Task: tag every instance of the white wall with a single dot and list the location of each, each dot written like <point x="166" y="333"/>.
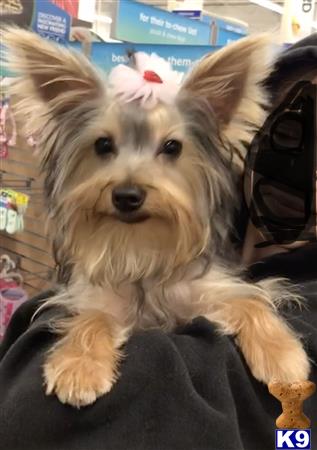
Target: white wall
<point x="258" y="18"/>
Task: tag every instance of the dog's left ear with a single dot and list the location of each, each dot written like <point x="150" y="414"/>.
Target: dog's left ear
<point x="51" y="77"/>
<point x="230" y="80"/>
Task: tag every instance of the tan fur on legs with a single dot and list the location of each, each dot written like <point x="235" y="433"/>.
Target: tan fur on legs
<point x="270" y="347"/>
<point x="83" y="365"/>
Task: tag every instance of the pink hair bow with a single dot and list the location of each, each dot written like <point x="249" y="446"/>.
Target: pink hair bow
<point x="152" y="80"/>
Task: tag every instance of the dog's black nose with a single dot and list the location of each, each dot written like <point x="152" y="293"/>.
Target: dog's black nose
<point x="128" y="198"/>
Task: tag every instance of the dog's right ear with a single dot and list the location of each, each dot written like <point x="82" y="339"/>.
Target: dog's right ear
<point x="50" y="75"/>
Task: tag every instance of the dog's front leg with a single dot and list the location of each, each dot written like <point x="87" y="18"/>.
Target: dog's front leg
<point x="83" y="364"/>
<point x="270" y="347"/>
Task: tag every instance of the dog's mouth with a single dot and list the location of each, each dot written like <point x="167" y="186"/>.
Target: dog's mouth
<point x="132" y="217"/>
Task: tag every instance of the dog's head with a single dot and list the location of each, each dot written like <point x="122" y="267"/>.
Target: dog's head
<point x="132" y="191"/>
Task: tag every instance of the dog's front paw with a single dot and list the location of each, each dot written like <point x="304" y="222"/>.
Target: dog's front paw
<point x="295" y="365"/>
<point x="77" y="379"/>
<point x="286" y="363"/>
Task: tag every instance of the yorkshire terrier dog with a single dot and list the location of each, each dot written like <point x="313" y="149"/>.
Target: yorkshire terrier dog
<point x="140" y="177"/>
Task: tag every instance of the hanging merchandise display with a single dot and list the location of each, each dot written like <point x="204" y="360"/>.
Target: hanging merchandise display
<point x="12" y="294"/>
<point x="8" y="131"/>
<point x="13" y="205"/>
<point x="22" y="214"/>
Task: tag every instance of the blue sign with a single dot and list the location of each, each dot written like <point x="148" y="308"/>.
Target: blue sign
<point x="140" y="23"/>
<point x="223" y="31"/>
<point x="294" y="439"/>
<point x="51" y="22"/>
<point x="228" y="32"/>
<point x="193" y="15"/>
<point x="108" y="55"/>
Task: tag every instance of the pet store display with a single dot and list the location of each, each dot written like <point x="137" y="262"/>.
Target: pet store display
<point x="12" y="294"/>
<point x="8" y="126"/>
<point x="22" y="215"/>
<point x="8" y="131"/>
<point x="13" y="206"/>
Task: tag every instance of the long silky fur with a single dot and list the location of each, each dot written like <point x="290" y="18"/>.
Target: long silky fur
<point x="64" y="122"/>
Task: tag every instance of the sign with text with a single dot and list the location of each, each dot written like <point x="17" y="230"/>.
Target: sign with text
<point x="224" y="31"/>
<point x="108" y="55"/>
<point x="292" y="439"/>
<point x="50" y="21"/>
<point x="140" y="23"/>
<point x="189" y="14"/>
<point x="228" y="32"/>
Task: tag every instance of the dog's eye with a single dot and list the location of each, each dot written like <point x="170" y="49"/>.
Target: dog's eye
<point x="171" y="148"/>
<point x="104" y="146"/>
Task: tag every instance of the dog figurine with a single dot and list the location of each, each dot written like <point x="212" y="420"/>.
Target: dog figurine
<point x="141" y="174"/>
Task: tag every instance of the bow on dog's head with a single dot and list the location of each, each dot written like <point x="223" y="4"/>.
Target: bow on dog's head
<point x="149" y="80"/>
